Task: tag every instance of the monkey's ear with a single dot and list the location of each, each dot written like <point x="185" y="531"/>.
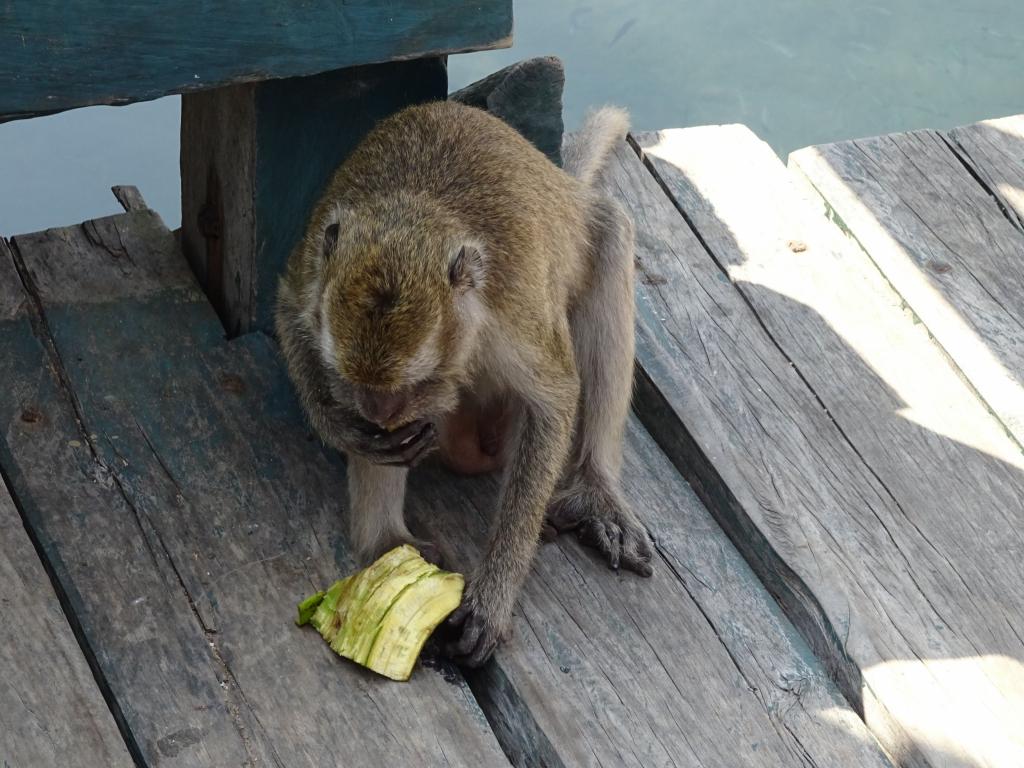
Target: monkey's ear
<point x="330" y="240"/>
<point x="335" y="219"/>
<point x="466" y="269"/>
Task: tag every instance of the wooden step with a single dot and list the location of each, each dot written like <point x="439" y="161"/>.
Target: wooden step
<point x="994" y="153"/>
<point x="947" y="246"/>
<point x="610" y="669"/>
<point x="186" y="510"/>
<point x="51" y="710"/>
<point x="869" y="487"/>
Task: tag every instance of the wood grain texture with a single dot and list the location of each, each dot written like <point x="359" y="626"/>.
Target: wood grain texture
<point x="695" y="666"/>
<point x="930" y="575"/>
<point x="218" y="216"/>
<point x="121" y="590"/>
<point x="944" y="244"/>
<point x="994" y="151"/>
<point x="129" y="197"/>
<point x="59" y="56"/>
<point x="254" y="160"/>
<point x="51" y="711"/>
<point x="204" y="513"/>
<point x="12" y="297"/>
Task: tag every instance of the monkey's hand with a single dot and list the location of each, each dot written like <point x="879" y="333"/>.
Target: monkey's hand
<point x="404" y="447"/>
<point x="477" y="626"/>
<point x="602" y="520"/>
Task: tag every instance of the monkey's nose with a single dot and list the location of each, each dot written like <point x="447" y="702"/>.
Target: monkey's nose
<point x="383" y="407"/>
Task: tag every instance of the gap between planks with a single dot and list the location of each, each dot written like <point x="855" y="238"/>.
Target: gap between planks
<point x="56" y="708"/>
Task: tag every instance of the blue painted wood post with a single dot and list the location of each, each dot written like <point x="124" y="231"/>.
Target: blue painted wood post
<point x="255" y="158"/>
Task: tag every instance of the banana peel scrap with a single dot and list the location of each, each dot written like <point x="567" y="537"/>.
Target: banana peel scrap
<point x="380" y="617"/>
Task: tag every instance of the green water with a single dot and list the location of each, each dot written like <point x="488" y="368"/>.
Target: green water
<point x="798" y="72"/>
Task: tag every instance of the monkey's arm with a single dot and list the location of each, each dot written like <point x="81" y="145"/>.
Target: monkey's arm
<point x="542" y="446"/>
<point x="329" y="404"/>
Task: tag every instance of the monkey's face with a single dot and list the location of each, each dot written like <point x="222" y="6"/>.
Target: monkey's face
<point x="398" y="319"/>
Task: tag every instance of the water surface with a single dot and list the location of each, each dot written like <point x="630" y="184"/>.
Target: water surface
<point x="798" y="72"/>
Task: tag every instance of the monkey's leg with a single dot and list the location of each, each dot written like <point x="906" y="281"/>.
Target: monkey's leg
<point x="590" y="499"/>
<point x="541" y="449"/>
<point x="377" y="517"/>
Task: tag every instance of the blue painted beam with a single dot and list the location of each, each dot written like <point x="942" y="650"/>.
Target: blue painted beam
<point x="59" y="55"/>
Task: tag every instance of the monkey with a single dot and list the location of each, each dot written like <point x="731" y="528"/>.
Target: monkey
<point x="452" y="279"/>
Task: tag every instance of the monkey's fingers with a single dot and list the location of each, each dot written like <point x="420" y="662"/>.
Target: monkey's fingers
<point x="604" y="537"/>
<point x="403" y="447"/>
<point x="548" y="532"/>
<point x="476" y="643"/>
<point x="473" y="639"/>
<point x="458" y="616"/>
<point x="637" y="552"/>
<point x="566" y="512"/>
<point x="424" y="448"/>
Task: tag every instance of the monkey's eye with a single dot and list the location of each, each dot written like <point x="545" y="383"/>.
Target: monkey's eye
<point x="464" y="269"/>
<point x="330" y="240"/>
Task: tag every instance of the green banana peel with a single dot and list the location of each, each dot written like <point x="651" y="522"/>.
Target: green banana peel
<point x="380" y="617"/>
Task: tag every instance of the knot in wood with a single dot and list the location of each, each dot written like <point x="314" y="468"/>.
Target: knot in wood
<point x="209" y="222"/>
<point x="31" y="415"/>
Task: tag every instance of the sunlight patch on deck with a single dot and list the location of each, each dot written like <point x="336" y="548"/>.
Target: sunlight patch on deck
<point x="954" y="703"/>
<point x="817" y="270"/>
<point x="974" y="359"/>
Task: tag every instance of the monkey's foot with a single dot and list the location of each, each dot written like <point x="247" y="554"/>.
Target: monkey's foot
<point x="474" y="632"/>
<point x="602" y="521"/>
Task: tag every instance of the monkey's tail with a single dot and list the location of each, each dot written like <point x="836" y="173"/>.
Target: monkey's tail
<point x="585" y="154"/>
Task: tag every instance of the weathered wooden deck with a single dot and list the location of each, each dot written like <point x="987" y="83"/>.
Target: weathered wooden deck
<point x="830" y="412"/>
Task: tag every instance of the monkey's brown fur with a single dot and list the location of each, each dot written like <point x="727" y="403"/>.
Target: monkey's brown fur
<point x="466" y="263"/>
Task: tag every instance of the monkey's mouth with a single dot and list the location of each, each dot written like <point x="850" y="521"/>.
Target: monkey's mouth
<point x="429" y="402"/>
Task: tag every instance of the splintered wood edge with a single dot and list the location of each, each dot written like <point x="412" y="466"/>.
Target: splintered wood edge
<point x="129" y="197"/>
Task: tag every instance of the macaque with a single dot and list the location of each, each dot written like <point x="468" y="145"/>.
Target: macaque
<point x="454" y="286"/>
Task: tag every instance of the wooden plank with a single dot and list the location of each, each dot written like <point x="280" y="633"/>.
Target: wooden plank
<point x="215" y="515"/>
<point x="120" y="590"/>
<point x="51" y="711"/>
<point x="604" y="669"/>
<point x="254" y="160"/>
<point x="696" y="666"/>
<point x="58" y="57"/>
<point x="12" y="297"/>
<point x="129" y="197"/>
<point x="994" y="150"/>
<point x="943" y="654"/>
<point x="943" y="243"/>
